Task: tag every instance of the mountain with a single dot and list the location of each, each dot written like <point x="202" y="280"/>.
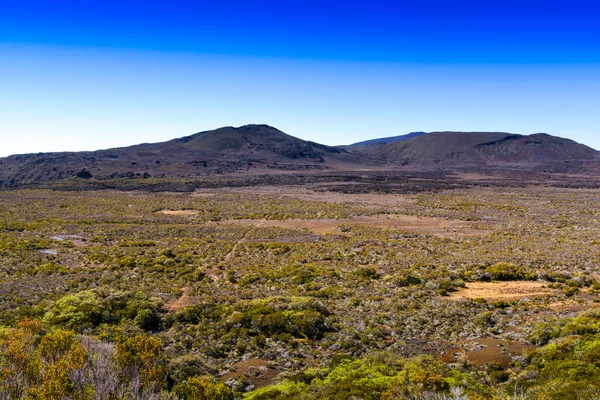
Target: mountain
<point x="266" y="150"/>
<point x="387" y="140"/>
<point x="218" y="151"/>
<point x="484" y="148"/>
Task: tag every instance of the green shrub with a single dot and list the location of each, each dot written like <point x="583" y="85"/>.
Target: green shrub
<point x="202" y="388"/>
<point x="298" y="316"/>
<point x="509" y="272"/>
<point x="367" y="273"/>
<point x="87" y="309"/>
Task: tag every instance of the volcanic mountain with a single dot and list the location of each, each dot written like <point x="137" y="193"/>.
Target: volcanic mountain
<point x="483" y="148"/>
<point x="264" y="149"/>
<point x="218" y="151"/>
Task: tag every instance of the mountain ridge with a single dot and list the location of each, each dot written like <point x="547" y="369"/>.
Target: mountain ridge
<point x="485" y="148"/>
<point x="260" y="147"/>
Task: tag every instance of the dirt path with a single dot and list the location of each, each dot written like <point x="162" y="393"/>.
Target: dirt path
<point x="214" y="271"/>
<point x="237" y="244"/>
<point x="182" y="302"/>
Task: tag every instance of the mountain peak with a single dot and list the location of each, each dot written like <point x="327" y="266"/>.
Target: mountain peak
<point x="223" y="150"/>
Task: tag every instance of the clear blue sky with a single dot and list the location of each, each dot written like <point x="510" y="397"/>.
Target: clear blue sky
<point x="100" y="74"/>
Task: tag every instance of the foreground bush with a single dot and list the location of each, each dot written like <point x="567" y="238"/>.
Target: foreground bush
<point x="378" y="377"/>
<point x="60" y="364"/>
<point x="202" y="388"/>
<point x="38" y="365"/>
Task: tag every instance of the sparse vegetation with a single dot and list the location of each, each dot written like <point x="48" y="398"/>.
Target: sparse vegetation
<point x="169" y="304"/>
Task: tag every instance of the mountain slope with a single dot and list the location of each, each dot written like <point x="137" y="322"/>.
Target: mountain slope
<point x="386" y="140"/>
<point x="219" y="151"/>
<point x="485" y="148"/>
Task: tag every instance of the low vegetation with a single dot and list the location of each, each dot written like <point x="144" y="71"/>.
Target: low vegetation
<point x="105" y="297"/>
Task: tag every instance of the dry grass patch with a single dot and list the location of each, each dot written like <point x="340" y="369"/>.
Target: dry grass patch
<point x="179" y="212"/>
<point x="513" y="290"/>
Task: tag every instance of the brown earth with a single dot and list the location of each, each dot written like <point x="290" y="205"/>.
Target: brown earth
<point x="182" y="302"/>
<point x="485" y="350"/>
<point x="256" y="370"/>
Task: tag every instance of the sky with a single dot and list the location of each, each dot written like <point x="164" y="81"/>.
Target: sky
<point x="85" y="75"/>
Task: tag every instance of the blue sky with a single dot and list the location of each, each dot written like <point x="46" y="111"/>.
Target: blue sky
<point x="102" y="74"/>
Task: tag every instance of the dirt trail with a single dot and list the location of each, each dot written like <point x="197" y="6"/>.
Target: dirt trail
<point x="214" y="271"/>
<point x="182" y="302"/>
<point x="229" y="255"/>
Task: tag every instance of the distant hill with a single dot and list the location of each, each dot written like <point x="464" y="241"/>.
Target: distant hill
<point x="484" y="148"/>
<point x="218" y="151"/>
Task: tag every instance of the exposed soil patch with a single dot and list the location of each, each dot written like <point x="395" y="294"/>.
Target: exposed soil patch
<point x="256" y="370"/>
<point x="482" y="351"/>
<point x="182" y="302"/>
<point x="513" y="290"/>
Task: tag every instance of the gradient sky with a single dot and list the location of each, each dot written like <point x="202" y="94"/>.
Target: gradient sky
<point x="83" y="75"/>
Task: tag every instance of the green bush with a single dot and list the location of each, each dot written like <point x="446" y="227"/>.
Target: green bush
<point x="86" y="310"/>
<point x="298" y="316"/>
<point x="367" y="273"/>
<point x="202" y="388"/>
<point x="375" y="377"/>
<point x="509" y="272"/>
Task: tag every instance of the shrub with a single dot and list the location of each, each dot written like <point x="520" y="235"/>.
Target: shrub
<point x="367" y="273"/>
<point x="298" y="316"/>
<point x="202" y="388"/>
<point x="187" y="366"/>
<point x="86" y="310"/>
<point x="79" y="311"/>
<point x="508" y="272"/>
